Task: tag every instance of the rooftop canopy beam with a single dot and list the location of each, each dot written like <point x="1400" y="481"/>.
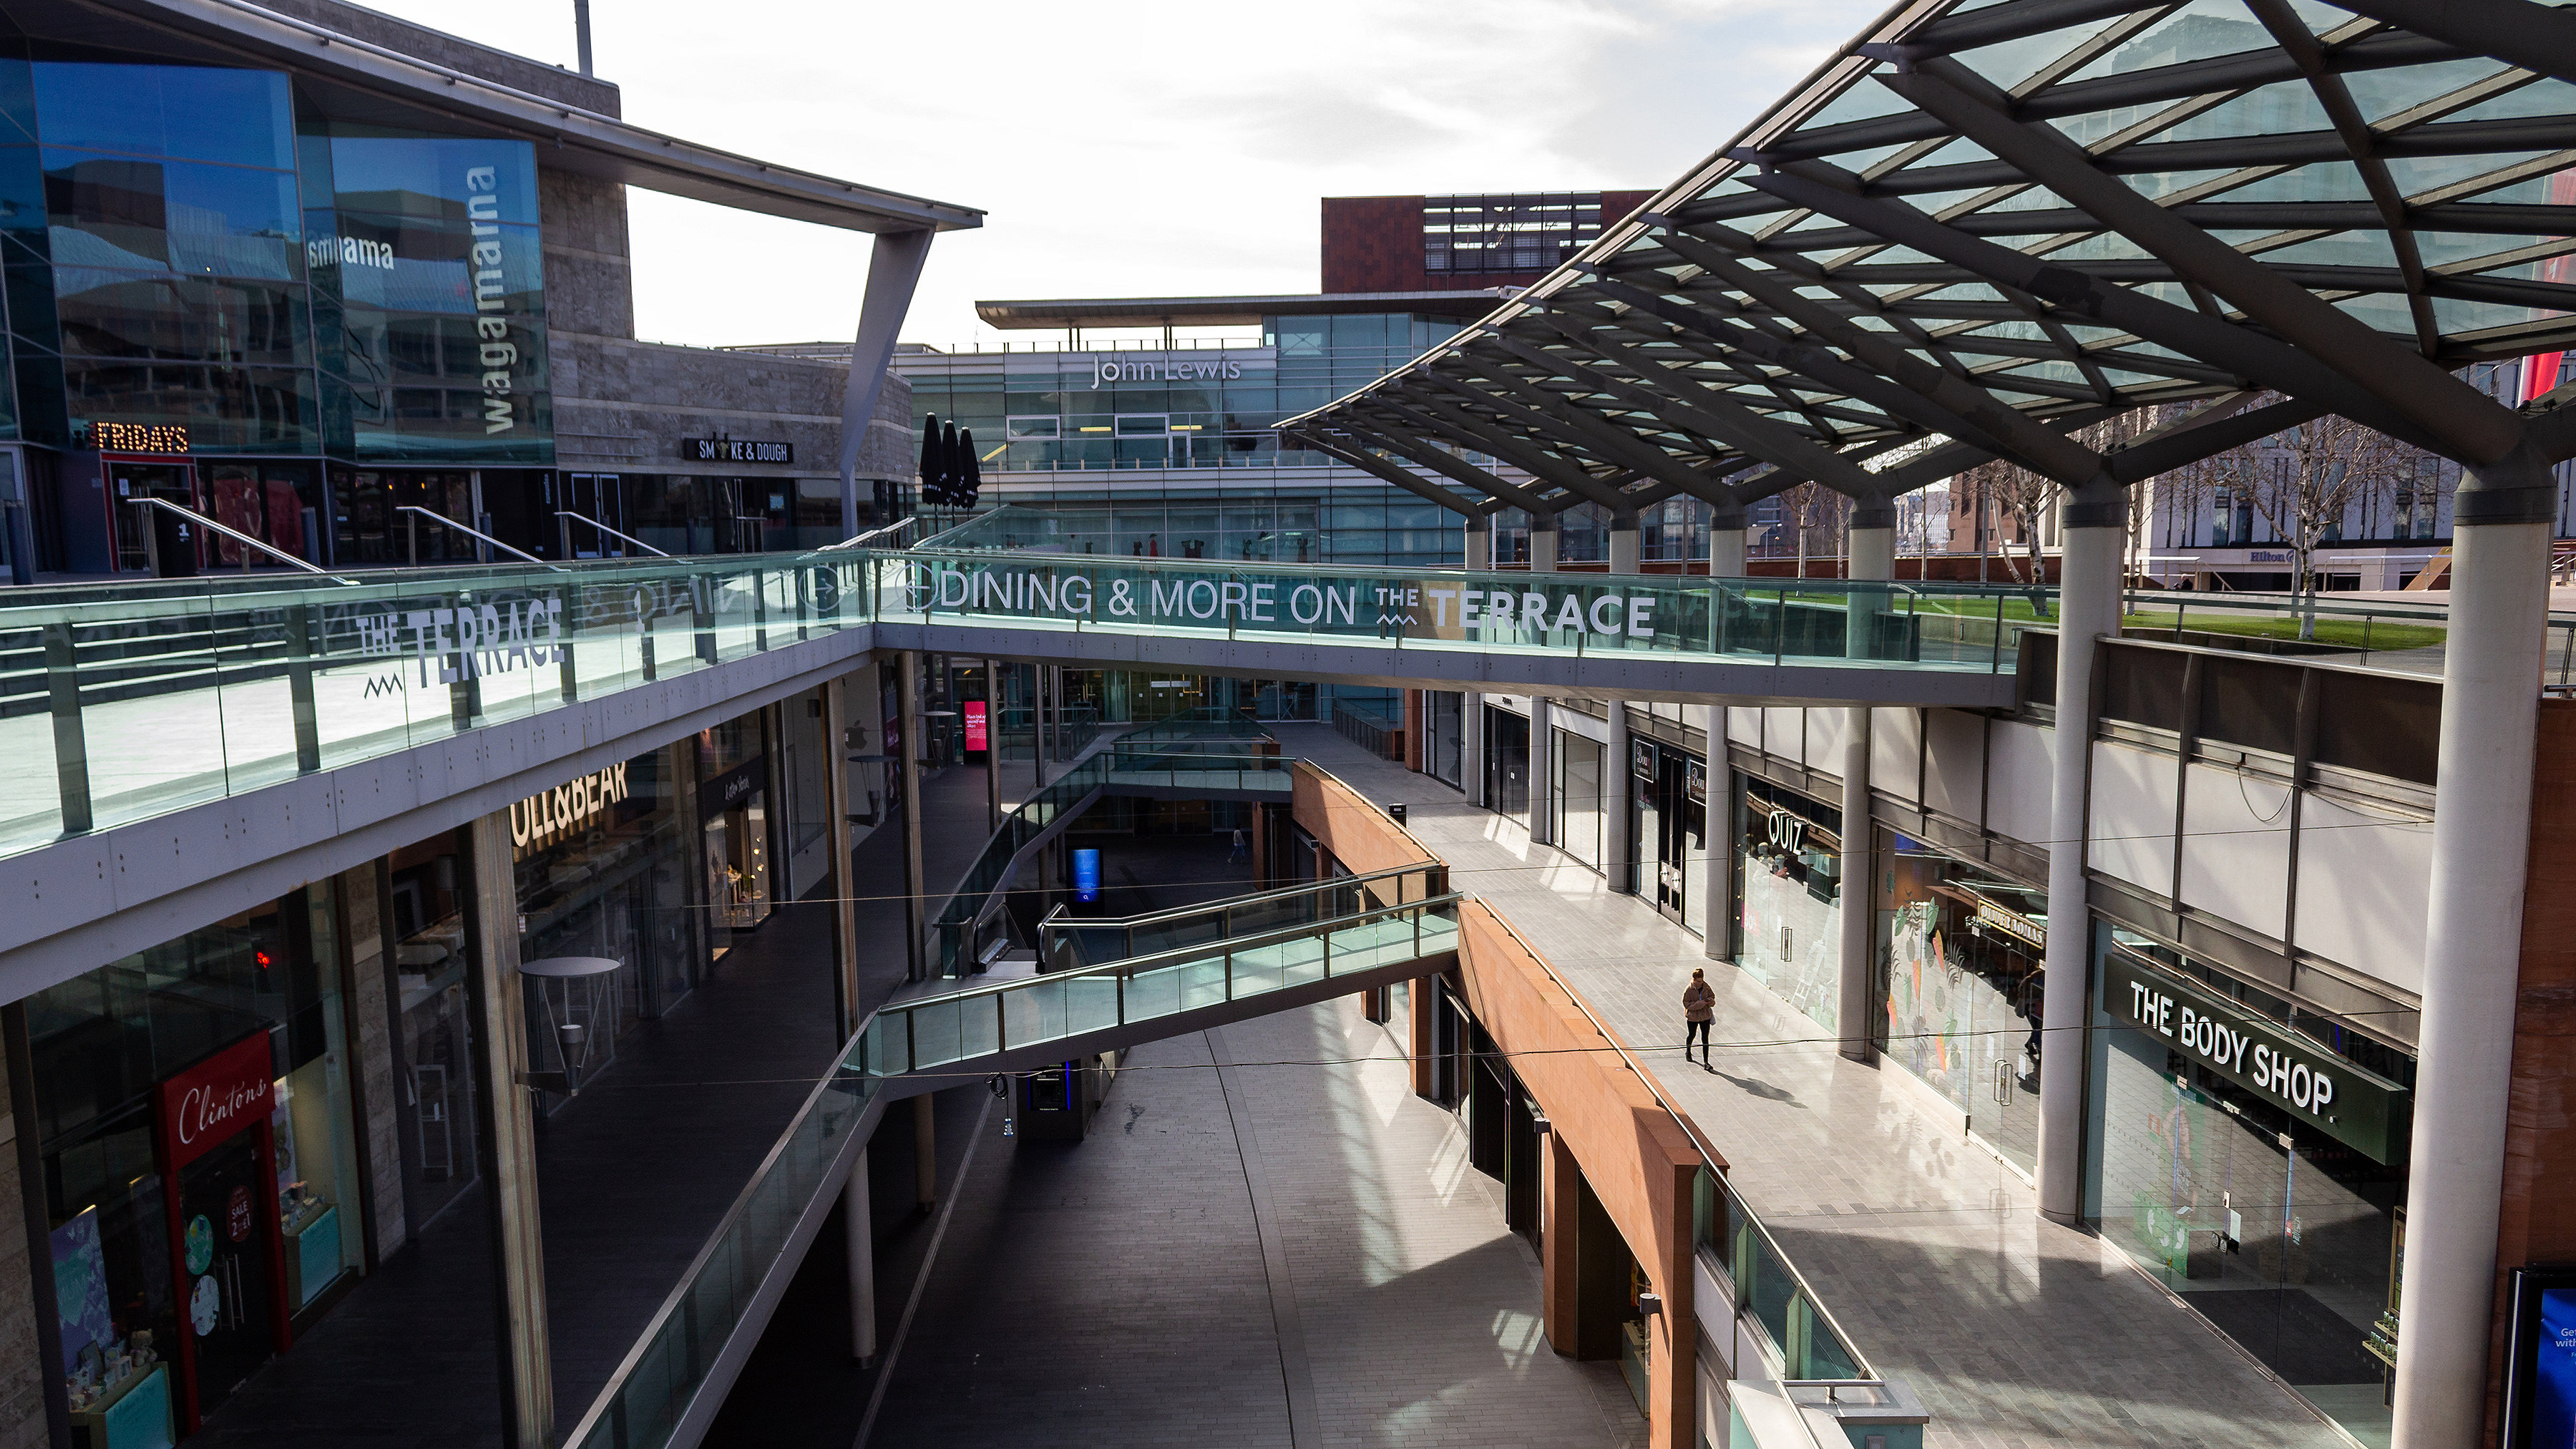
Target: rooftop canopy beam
<point x="2468" y="424"/>
<point x="1361" y="458"/>
<point x="1396" y="440"/>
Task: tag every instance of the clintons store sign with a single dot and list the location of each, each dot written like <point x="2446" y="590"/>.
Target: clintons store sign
<point x="227" y="1093"/>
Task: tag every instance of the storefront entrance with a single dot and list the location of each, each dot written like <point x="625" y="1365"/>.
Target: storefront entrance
<point x="2271" y="1203"/>
<point x="1668" y="830"/>
<point x="129" y="525"/>
<point x="228" y="1297"/>
<point x="1962" y="949"/>
<point x="219" y="1163"/>
<point x="1507" y="763"/>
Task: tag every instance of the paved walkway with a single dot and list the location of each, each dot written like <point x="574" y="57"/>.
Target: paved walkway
<point x="1226" y="1243"/>
<point x="1932" y="1255"/>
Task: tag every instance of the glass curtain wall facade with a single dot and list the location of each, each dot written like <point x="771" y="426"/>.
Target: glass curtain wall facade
<point x="204" y="264"/>
<point x="1199" y="420"/>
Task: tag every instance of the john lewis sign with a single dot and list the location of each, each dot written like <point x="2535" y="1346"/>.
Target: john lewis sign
<point x="2360" y="1108"/>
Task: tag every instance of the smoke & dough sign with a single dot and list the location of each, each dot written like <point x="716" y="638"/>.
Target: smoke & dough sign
<point x="1255" y="599"/>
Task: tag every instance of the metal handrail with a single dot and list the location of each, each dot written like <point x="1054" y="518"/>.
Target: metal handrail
<point x="895" y="527"/>
<point x="470" y="533"/>
<point x="238" y="536"/>
<point x="1060" y="922"/>
<point x="612" y="533"/>
<point x="1229" y="902"/>
<point x="1137" y="964"/>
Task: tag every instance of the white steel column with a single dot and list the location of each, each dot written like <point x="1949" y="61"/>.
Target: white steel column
<point x="894" y="265"/>
<point x="1720" y="832"/>
<point x="1626" y="550"/>
<point x="1471" y="705"/>
<point x="1542" y="772"/>
<point x="2088" y="607"/>
<point x="2472" y="958"/>
<point x="1726" y="546"/>
<point x="1873" y="553"/>
<point x="1618" y="852"/>
<point x="859" y="1248"/>
<point x="1542" y="544"/>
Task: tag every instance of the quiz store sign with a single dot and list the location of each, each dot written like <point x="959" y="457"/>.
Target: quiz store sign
<point x="2315" y="1086"/>
<point x="1320" y="602"/>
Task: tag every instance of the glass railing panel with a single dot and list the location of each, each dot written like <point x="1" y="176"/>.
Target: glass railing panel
<point x="979" y="1027"/>
<point x="1032" y="1013"/>
<point x="1771" y="1290"/>
<point x="1299" y="961"/>
<point x="935" y="1033"/>
<point x="1091" y="1004"/>
<point x="1203" y="983"/>
<point x="1159" y="992"/>
<point x="1824" y="1354"/>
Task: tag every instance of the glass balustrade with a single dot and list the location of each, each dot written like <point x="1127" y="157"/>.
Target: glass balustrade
<point x="1197" y="765"/>
<point x="119" y="702"/>
<point x="1971" y="628"/>
<point x="122" y="701"/>
<point x="961" y="1029"/>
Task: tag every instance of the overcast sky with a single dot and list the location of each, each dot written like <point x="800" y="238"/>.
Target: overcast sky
<point x="1132" y="147"/>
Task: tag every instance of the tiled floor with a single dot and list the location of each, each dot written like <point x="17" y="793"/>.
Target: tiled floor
<point x="1296" y="1228"/>
<point x="1117" y="1291"/>
<point x="2015" y="1331"/>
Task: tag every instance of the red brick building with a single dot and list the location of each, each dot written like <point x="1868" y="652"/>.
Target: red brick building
<point x="1460" y="243"/>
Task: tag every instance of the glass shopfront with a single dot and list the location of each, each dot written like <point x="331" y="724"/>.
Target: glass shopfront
<point x="424" y="919"/>
<point x="1668" y="829"/>
<point x="1788" y="895"/>
<point x="1574" y="796"/>
<point x="602" y="866"/>
<point x="1444" y="738"/>
<point x="1960" y="950"/>
<point x="201" y="1173"/>
<point x="2252" y="1155"/>
<point x="733" y="811"/>
<point x="1507" y="763"/>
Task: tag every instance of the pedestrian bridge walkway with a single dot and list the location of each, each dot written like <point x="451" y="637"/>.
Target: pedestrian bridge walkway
<point x="124" y="702"/>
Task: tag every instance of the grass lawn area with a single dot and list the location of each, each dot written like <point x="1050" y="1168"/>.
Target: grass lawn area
<point x="2349" y="633"/>
<point x="2198" y="616"/>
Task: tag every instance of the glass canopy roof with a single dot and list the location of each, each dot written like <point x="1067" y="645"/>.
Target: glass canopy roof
<point x="1984" y="226"/>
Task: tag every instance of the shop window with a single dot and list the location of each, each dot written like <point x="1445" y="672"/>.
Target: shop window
<point x="172" y="1228"/>
<point x="2277" y="1223"/>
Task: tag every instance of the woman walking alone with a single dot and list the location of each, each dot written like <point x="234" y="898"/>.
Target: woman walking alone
<point x="1699" y="1008"/>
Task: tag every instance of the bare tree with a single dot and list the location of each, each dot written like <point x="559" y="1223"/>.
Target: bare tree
<point x="2303" y="482"/>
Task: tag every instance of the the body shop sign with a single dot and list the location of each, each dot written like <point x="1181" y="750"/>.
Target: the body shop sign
<point x="2360" y="1108"/>
<point x="206" y="1104"/>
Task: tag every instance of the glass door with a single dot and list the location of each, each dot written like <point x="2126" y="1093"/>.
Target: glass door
<point x="227" y="1303"/>
<point x="1507" y="741"/>
<point x="597" y="498"/>
<point x="127" y="479"/>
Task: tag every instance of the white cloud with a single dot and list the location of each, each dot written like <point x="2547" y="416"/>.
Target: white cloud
<point x="1149" y="147"/>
